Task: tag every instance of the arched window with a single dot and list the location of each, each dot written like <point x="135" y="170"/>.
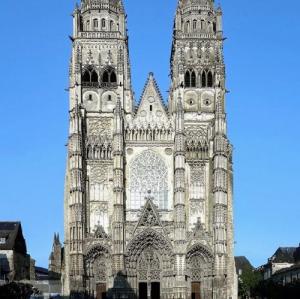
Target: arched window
<point x="94" y="76"/>
<point x="193" y="79"/>
<point x="202" y="24"/>
<point x="215" y="27"/>
<point x="194" y="25"/>
<point x="109" y="77"/>
<point x="81" y="24"/>
<point x="95" y="24"/>
<point x="210" y="80"/>
<point x="203" y="79"/>
<point x="113" y="77"/>
<point x="103" y="23"/>
<point x="187" y="79"/>
<point x="111" y="25"/>
<point x="86" y="78"/>
<point x="87" y="25"/>
<point x="105" y="77"/>
<point x="90" y="77"/>
<point x="187" y="27"/>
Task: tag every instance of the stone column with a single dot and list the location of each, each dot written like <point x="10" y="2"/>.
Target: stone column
<point x="220" y="191"/>
<point x="76" y="201"/>
<point x="180" y="288"/>
<point x="118" y="212"/>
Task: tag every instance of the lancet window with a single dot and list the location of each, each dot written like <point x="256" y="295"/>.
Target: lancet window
<point x="90" y="77"/>
<point x="109" y="78"/>
<point x="190" y="78"/>
<point x="207" y="79"/>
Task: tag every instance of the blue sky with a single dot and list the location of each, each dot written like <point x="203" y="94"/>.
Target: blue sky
<point x="262" y="57"/>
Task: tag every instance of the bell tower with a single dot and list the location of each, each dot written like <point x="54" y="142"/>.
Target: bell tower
<point x="100" y="90"/>
<point x="197" y="55"/>
<point x="198" y="80"/>
<point x="100" y="67"/>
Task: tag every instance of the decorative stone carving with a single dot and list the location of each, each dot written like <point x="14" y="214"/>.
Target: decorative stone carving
<point x="100" y="127"/>
<point x="148" y="172"/>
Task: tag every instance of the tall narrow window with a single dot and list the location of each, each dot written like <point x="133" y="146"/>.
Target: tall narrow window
<point x="202" y="24"/>
<point x="187" y="79"/>
<point x="215" y="27"/>
<point x="90" y="77"/>
<point x="194" y="25"/>
<point x="113" y="77"/>
<point x="203" y="79"/>
<point x="103" y="23"/>
<point x="95" y="24"/>
<point x="86" y="78"/>
<point x="109" y="77"/>
<point x="187" y="27"/>
<point x="210" y="79"/>
<point x="94" y="77"/>
<point x="105" y="77"/>
<point x="111" y="26"/>
<point x="87" y="25"/>
<point x="193" y="79"/>
<point x="81" y="24"/>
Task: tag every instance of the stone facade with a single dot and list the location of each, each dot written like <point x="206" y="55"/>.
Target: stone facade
<point x="148" y="190"/>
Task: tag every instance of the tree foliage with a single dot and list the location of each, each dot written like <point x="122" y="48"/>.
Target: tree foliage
<point x="15" y="290"/>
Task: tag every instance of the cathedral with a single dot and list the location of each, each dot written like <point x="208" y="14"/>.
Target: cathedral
<point x="148" y="189"/>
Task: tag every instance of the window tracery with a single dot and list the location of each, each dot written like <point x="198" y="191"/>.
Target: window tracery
<point x="148" y="173"/>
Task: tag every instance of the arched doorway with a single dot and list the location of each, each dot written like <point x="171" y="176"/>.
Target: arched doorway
<point x="97" y="266"/>
<point x="149" y="264"/>
<point x="200" y="271"/>
<point x="148" y="274"/>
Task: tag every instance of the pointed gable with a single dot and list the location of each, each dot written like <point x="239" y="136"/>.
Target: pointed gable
<point x="151" y="108"/>
<point x="150" y="216"/>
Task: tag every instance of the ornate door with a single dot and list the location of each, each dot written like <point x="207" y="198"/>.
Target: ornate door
<point x="149" y="274"/>
<point x="101" y="291"/>
<point x="196" y="290"/>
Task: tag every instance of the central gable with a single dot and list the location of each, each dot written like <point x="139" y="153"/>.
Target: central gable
<point x="151" y="108"/>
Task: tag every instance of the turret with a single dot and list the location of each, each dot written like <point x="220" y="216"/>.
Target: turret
<point x="179" y="201"/>
<point x="118" y="207"/>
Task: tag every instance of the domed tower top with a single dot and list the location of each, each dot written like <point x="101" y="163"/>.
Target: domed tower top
<point x="100" y="15"/>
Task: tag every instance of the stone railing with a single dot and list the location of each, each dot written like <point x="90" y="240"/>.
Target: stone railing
<point x="99" y="35"/>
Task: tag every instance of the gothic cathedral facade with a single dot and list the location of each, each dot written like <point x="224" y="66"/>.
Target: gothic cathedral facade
<point x="148" y="190"/>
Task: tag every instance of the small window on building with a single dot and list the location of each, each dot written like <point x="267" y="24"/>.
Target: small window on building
<point x="187" y="79"/>
<point x="215" y="27"/>
<point x="111" y="26"/>
<point x="151" y="108"/>
<point x="103" y="23"/>
<point x="87" y="25"/>
<point x="193" y="79"/>
<point x="109" y="98"/>
<point x="2" y="240"/>
<point x="95" y="23"/>
<point x="194" y="25"/>
<point x="210" y="81"/>
<point x="90" y="97"/>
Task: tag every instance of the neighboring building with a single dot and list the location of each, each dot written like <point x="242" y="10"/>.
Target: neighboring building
<point x="15" y="263"/>
<point x="242" y="265"/>
<point x="41" y="273"/>
<point x="283" y="266"/>
<point x="148" y="190"/>
<point x="283" y="258"/>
